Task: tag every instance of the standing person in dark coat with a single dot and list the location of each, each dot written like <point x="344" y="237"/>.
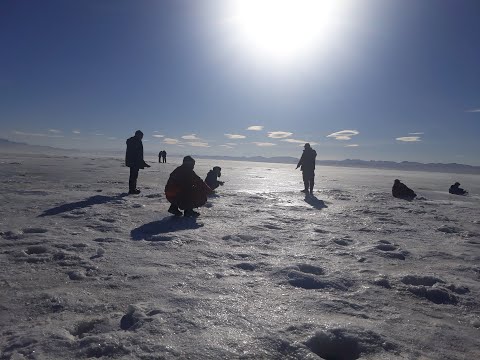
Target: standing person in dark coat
<point x="307" y="166"/>
<point x="164" y="156"/>
<point x="456" y="190"/>
<point x="211" y="179"/>
<point x="402" y="191"/>
<point x="186" y="190"/>
<point x="160" y="154"/>
<point x="134" y="160"/>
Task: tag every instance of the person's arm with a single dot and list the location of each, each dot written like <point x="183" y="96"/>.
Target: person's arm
<point x="300" y="162"/>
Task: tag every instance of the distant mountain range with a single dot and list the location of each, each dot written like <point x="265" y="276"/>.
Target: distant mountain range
<point x="8" y="146"/>
<point x="17" y="147"/>
<point x="390" y="165"/>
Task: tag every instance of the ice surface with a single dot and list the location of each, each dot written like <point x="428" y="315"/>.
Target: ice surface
<point x="264" y="273"/>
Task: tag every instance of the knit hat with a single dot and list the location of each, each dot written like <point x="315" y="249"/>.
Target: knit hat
<point x="188" y="159"/>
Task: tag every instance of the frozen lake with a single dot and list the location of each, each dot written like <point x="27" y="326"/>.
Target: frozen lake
<point x="263" y="273"/>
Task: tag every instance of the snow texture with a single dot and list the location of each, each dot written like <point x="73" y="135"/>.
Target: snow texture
<point x="88" y="271"/>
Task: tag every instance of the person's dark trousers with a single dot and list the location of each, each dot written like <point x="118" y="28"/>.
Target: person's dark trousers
<point x="132" y="181"/>
<point x="308" y="180"/>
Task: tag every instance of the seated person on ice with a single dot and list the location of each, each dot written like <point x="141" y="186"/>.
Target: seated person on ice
<point x="456" y="190"/>
<point x="211" y="179"/>
<point x="402" y="191"/>
<point x="186" y="190"/>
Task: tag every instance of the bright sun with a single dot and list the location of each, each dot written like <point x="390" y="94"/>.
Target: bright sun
<point x="283" y="31"/>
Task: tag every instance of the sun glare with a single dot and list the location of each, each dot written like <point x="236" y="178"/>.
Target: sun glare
<point x="283" y="31"/>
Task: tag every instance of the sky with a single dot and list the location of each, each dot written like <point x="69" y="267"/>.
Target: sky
<point x="374" y="80"/>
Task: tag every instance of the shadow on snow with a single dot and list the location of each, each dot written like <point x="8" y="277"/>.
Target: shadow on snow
<point x="166" y="225"/>
<point x="92" y="200"/>
<point x="315" y="202"/>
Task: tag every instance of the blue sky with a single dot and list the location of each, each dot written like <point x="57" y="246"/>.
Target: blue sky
<point x="382" y="80"/>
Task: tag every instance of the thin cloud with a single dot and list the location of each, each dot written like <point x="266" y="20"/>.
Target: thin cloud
<point x="255" y="128"/>
<point x="235" y="136"/>
<point x="158" y="135"/>
<point x="55" y="131"/>
<point x="198" y="144"/>
<point x="343" y="135"/>
<point x="352" y="145"/>
<point x="76" y="131"/>
<point x="232" y="144"/>
<point x="226" y="146"/>
<point x="190" y="137"/>
<point x="171" y="141"/>
<point x="263" y="144"/>
<point x="98" y="134"/>
<point x="473" y="111"/>
<point x="36" y="134"/>
<point x="417" y="133"/>
<point x="296" y="141"/>
<point x="279" y="134"/>
<point x="408" y="138"/>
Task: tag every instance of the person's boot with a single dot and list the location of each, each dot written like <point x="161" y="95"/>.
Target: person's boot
<point x="134" y="192"/>
<point x="191" y="213"/>
<point x="173" y="209"/>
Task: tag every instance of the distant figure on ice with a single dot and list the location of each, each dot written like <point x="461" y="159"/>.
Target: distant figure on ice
<point x="134" y="160"/>
<point x="160" y="154"/>
<point x="185" y="190"/>
<point x="164" y="156"/>
<point x="402" y="191"/>
<point x="211" y="179"/>
<point x="307" y="166"/>
<point x="456" y="190"/>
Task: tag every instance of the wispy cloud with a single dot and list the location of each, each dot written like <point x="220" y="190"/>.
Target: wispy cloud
<point x="301" y="142"/>
<point x="98" y="134"/>
<point x="235" y="136"/>
<point x="232" y="144"/>
<point x="417" y="133"/>
<point x="158" y="135"/>
<point x="408" y="138"/>
<point x="343" y="135"/>
<point x="190" y="137"/>
<point x="36" y="134"/>
<point x="198" y="144"/>
<point x="76" y="131"/>
<point x="263" y="144"/>
<point x="55" y="131"/>
<point x="255" y="128"/>
<point x="352" y="145"/>
<point x="171" y="141"/>
<point x="473" y="111"/>
<point x="279" y="134"/>
<point x="226" y="146"/>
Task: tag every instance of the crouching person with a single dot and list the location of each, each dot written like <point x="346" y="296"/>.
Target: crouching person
<point x="212" y="178"/>
<point x="455" y="189"/>
<point x="402" y="191"/>
<point x="185" y="190"/>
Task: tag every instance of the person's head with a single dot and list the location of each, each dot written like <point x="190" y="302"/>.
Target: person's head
<point x="457" y="184"/>
<point x="217" y="170"/>
<point x="307" y="146"/>
<point x="189" y="162"/>
<point x="139" y="134"/>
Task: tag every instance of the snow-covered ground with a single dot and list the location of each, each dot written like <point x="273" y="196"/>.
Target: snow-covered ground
<point x="264" y="273"/>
